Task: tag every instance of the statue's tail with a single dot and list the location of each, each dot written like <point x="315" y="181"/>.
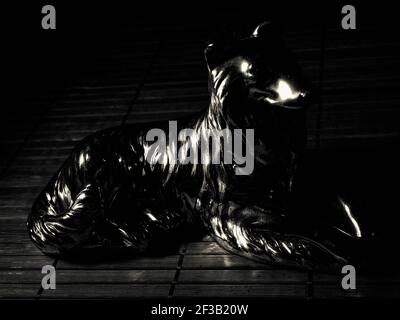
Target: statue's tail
<point x="65" y="212"/>
<point x="58" y="221"/>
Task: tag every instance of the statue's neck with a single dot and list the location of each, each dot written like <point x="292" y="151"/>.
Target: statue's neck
<point x="214" y="116"/>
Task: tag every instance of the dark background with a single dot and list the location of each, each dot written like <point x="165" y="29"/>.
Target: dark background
<point x="36" y="59"/>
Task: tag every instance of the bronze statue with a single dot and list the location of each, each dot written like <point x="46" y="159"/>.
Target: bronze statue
<point x="110" y="194"/>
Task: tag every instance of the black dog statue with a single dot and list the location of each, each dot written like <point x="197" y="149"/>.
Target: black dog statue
<point x="112" y="193"/>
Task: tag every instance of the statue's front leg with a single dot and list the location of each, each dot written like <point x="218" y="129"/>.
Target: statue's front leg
<point x="261" y="234"/>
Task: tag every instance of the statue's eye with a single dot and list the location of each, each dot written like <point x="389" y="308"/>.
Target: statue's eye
<point x="252" y="69"/>
<point x="247" y="68"/>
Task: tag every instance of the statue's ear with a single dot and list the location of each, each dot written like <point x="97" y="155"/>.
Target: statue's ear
<point x="220" y="49"/>
<point x="267" y="30"/>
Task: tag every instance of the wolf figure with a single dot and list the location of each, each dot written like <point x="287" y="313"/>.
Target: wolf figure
<point x="108" y="194"/>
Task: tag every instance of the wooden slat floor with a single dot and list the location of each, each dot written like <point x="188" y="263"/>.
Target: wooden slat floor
<point x="158" y="75"/>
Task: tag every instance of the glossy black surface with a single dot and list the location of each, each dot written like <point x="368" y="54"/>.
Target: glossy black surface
<point x="106" y="195"/>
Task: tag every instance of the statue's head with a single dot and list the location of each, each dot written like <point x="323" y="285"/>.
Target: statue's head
<point x="256" y="82"/>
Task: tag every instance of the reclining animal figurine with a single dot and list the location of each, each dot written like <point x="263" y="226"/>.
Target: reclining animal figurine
<point x="112" y="192"/>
